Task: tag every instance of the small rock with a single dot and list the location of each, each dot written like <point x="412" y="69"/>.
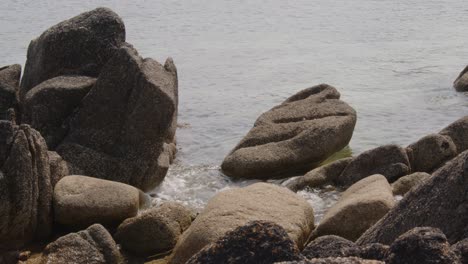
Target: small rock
<point x="330" y="246"/>
<point x="258" y="242"/>
<point x="154" y="231"/>
<point x="9" y="86"/>
<point x="360" y="207"/>
<point x="422" y="245"/>
<point x="406" y="183"/>
<point x="80" y="201"/>
<point x="458" y="132"/>
<point x="91" y="246"/>
<point x="461" y="83"/>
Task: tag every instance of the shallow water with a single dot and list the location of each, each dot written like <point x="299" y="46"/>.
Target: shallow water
<point x="394" y="61"/>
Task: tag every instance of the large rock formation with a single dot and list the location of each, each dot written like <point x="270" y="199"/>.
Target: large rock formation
<point x="294" y="136"/>
<point x="461" y="83"/>
<point x="9" y="86"/>
<point x="25" y="188"/>
<point x="154" y="231"/>
<point x="48" y="105"/>
<point x="80" y="201"/>
<point x="439" y="202"/>
<point x="258" y="242"/>
<point x="125" y="122"/>
<point x="81" y="45"/>
<point x="91" y="246"/>
<point x="360" y="206"/>
<point x="236" y="207"/>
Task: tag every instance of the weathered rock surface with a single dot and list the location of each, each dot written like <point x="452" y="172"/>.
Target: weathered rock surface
<point x="256" y="243"/>
<point x="91" y="246"/>
<point x="430" y="152"/>
<point x="440" y="202"/>
<point x="58" y="167"/>
<point x="81" y="45"/>
<point x="422" y="245"/>
<point x="390" y="161"/>
<point x="319" y="176"/>
<point x="294" y="136"/>
<point x="330" y="246"/>
<point x="360" y="206"/>
<point x="458" y="132"/>
<point x="339" y="260"/>
<point x="461" y="250"/>
<point x="461" y="83"/>
<point x="25" y="188"/>
<point x="9" y="86"/>
<point x="156" y="230"/>
<point x="236" y="207"/>
<point x="47" y="106"/>
<point x="80" y="201"/>
<point x="374" y="251"/>
<point x="141" y="97"/>
<point x="408" y="182"/>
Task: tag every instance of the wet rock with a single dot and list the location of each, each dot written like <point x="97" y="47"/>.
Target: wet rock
<point x="58" y="167"/>
<point x="80" y="201"/>
<point x="330" y="246"/>
<point x="154" y="231"/>
<point x="430" y="152"/>
<point x="422" y="245"/>
<point x="360" y="206"/>
<point x="91" y="246"/>
<point x="256" y="243"/>
<point x="48" y="105"/>
<point x="319" y="176"/>
<point x="25" y="188"/>
<point x="141" y="97"/>
<point x="374" y="251"/>
<point x="461" y="250"/>
<point x="390" y="161"/>
<point x="440" y="202"/>
<point x="236" y="207"/>
<point x="9" y="86"/>
<point x="408" y="182"/>
<point x="461" y="83"/>
<point x="81" y="45"/>
<point x="294" y="136"/>
<point x="458" y="132"/>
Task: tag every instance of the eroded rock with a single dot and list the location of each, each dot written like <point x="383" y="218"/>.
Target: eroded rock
<point x="430" y="152"/>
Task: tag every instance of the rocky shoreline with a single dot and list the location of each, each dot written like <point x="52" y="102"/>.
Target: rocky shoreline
<point x="90" y="126"/>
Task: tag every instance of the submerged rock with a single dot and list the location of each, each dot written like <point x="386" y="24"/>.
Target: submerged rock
<point x="294" y="136"/>
<point x="236" y="207"/>
<point x="80" y="201"/>
<point x="81" y="45"/>
<point x="408" y="182"/>
<point x="123" y="123"/>
<point x="440" y="202"/>
<point x="257" y="242"/>
<point x="461" y="83"/>
<point x="360" y="206"/>
<point x="9" y="86"/>
<point x="25" y="187"/>
<point x="330" y="246"/>
<point x="91" y="246"/>
<point x="156" y="230"/>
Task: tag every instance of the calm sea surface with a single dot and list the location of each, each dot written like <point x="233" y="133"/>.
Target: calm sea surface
<point x="394" y="61"/>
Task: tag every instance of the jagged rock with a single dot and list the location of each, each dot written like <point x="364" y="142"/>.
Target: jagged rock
<point x="390" y="161"/>
<point x="236" y="207"/>
<point x="319" y="176"/>
<point x="330" y="246"/>
<point x="439" y="202"/>
<point x="9" y="86"/>
<point x="461" y="250"/>
<point x="458" y="132"/>
<point x="81" y="45"/>
<point x="461" y="83"/>
<point x="154" y="231"/>
<point x="80" y="201"/>
<point x="430" y="152"/>
<point x="408" y="182"/>
<point x="294" y="136"/>
<point x="255" y="243"/>
<point x="141" y="97"/>
<point x="47" y="106"/>
<point x="58" y="167"/>
<point x="422" y="245"/>
<point x="360" y="206"/>
<point x="91" y="246"/>
<point x="25" y="188"/>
